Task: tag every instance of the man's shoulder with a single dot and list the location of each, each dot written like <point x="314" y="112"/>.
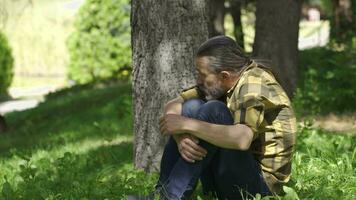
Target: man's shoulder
<point x="260" y="72"/>
<point x="255" y="78"/>
<point x="259" y="82"/>
<point x="192" y="92"/>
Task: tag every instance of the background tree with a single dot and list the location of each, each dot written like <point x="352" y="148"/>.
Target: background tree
<point x="343" y="20"/>
<point x="100" y="45"/>
<point x="235" y="11"/>
<point x="3" y="125"/>
<point x="6" y="73"/>
<point x="276" y="38"/>
<point x="6" y="64"/>
<point x="165" y="35"/>
<point x="218" y="11"/>
<point x="217" y="17"/>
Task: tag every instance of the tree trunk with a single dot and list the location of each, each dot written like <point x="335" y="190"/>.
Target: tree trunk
<point x="165" y="36"/>
<point x="342" y="23"/>
<point x="235" y="11"/>
<point x="276" y="39"/>
<point x="217" y="17"/>
<point x="3" y="125"/>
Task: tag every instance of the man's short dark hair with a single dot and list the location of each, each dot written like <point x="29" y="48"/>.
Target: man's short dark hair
<point x="223" y="54"/>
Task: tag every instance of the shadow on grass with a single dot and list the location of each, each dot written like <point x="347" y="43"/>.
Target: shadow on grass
<point x="71" y="117"/>
<point x="104" y="172"/>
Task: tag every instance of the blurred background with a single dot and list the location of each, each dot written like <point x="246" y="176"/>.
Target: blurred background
<point x="48" y="40"/>
<point x="66" y="107"/>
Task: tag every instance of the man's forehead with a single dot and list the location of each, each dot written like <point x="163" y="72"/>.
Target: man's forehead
<point x="202" y="63"/>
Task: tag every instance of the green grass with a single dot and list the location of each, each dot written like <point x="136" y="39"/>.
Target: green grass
<point x="324" y="165"/>
<point x="78" y="145"/>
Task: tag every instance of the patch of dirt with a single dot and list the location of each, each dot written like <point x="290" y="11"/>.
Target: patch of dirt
<point x="337" y="123"/>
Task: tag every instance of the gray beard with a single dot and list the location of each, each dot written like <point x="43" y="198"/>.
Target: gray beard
<point x="213" y="94"/>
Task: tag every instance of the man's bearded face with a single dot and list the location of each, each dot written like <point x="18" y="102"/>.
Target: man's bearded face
<point x="208" y="81"/>
<point x="215" y="91"/>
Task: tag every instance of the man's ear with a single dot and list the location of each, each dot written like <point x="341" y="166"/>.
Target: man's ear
<point x="225" y="74"/>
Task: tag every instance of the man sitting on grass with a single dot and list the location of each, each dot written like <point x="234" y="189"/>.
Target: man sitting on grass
<point x="235" y="130"/>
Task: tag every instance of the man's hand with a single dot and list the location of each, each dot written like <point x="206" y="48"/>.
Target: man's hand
<point x="171" y="124"/>
<point x="188" y="148"/>
<point x="187" y="144"/>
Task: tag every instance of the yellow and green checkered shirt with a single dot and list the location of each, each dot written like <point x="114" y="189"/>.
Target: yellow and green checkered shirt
<point x="258" y="101"/>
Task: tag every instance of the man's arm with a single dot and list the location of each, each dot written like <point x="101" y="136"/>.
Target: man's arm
<point x="187" y="144"/>
<point x="238" y="136"/>
<point x="174" y="106"/>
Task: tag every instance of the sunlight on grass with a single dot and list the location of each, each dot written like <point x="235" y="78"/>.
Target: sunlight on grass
<point x="78" y="148"/>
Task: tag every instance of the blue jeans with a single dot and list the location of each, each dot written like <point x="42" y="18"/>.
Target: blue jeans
<point x="225" y="173"/>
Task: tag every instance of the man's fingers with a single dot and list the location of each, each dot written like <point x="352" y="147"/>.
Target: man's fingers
<point x="192" y="156"/>
<point x="186" y="158"/>
<point x="196" y="140"/>
<point x="197" y="147"/>
<point x="195" y="154"/>
<point x="191" y="153"/>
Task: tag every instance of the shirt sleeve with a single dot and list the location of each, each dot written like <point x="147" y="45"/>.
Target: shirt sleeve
<point x="191" y="93"/>
<point x="251" y="105"/>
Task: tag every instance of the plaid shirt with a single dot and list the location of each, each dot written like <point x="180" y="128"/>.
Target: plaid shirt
<point x="258" y="101"/>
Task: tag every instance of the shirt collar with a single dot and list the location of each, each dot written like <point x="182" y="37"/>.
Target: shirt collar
<point x="251" y="65"/>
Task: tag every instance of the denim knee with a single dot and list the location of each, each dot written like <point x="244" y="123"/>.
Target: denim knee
<point x="215" y="111"/>
<point x="191" y="107"/>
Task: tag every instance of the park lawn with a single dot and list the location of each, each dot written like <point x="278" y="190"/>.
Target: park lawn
<point x="78" y="145"/>
<point x="75" y="145"/>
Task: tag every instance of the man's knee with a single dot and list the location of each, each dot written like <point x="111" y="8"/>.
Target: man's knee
<point x="190" y="107"/>
<point x="214" y="107"/>
<point x="215" y="111"/>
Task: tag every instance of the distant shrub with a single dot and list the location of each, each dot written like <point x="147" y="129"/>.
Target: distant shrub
<point x="100" y="46"/>
<point x="326" y="82"/>
<point x="6" y="64"/>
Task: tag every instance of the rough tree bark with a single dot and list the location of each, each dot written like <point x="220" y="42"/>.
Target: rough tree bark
<point x="276" y="39"/>
<point x="217" y="17"/>
<point x="165" y="36"/>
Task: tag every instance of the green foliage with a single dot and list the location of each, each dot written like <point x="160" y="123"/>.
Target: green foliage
<point x="78" y="145"/>
<point x="100" y="45"/>
<point x="326" y="82"/>
<point x="74" y="176"/>
<point x="6" y="64"/>
<point x="324" y="165"/>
